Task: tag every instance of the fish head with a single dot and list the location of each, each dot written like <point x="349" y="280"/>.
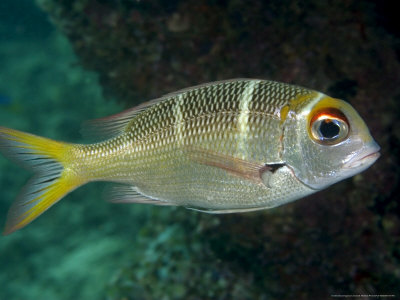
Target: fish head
<point x="325" y="141"/>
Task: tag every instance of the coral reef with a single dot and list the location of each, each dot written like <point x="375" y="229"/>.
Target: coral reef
<point x="344" y="240"/>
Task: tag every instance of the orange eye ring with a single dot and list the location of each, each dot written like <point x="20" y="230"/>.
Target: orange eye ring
<point x="329" y="126"/>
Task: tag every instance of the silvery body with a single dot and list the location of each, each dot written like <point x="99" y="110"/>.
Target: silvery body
<point x="228" y="146"/>
<point x="231" y="146"/>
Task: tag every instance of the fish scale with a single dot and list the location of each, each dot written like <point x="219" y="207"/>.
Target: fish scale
<point x="229" y="124"/>
<point x="232" y="146"/>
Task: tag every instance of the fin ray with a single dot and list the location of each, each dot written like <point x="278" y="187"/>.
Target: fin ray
<point x="114" y="125"/>
<point x="51" y="182"/>
<point x="131" y="194"/>
<point x="238" y="167"/>
<point x="226" y="211"/>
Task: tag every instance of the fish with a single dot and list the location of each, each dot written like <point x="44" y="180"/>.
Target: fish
<point x="231" y="146"/>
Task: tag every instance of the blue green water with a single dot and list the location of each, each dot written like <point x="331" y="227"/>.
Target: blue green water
<point x="73" y="250"/>
<point x="341" y="241"/>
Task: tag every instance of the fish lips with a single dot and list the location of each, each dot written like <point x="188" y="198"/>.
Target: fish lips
<point x="363" y="159"/>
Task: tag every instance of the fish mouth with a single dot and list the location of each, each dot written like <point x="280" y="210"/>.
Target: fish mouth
<point x="364" y="159"/>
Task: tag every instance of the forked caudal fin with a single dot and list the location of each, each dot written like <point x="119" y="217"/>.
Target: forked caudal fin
<point x="51" y="182"/>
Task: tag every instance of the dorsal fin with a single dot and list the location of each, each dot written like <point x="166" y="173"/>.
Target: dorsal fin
<point x="199" y="86"/>
<point x="114" y="125"/>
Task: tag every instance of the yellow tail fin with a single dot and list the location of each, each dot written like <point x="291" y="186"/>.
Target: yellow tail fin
<point x="51" y="182"/>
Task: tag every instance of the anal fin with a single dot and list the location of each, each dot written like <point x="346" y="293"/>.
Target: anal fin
<point x="131" y="194"/>
<point x="227" y="211"/>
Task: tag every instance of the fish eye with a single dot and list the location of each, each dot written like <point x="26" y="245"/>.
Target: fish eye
<point x="329" y="127"/>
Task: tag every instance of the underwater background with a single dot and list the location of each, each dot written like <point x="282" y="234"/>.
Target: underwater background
<point x="66" y="61"/>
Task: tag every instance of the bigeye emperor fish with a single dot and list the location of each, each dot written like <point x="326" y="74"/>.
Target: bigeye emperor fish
<point x="232" y="146"/>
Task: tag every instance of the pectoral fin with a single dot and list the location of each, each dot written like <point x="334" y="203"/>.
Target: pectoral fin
<point x="236" y="166"/>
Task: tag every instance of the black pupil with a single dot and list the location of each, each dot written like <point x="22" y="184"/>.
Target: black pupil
<point x="329" y="129"/>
